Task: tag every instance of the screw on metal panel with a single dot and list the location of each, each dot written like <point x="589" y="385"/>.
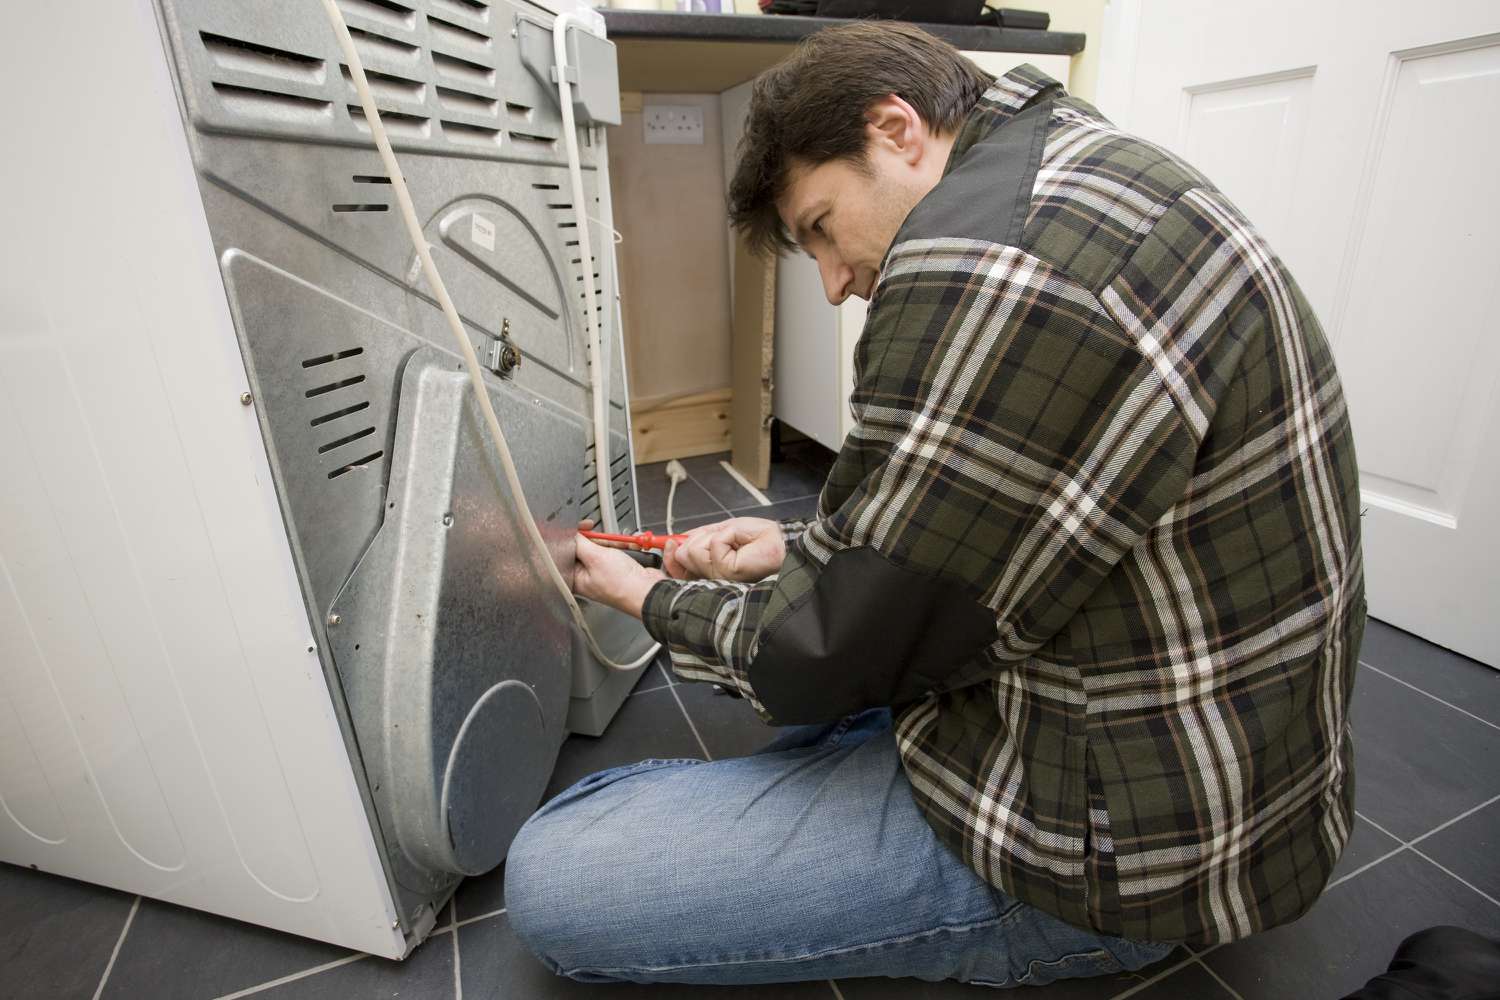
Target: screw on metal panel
<point x="312" y="649"/>
<point x="334" y="619"/>
<point x="447" y="520"/>
<point x="246" y="399"/>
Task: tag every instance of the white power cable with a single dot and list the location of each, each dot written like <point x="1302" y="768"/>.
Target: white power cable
<point x="538" y="546"/>
<point x="676" y="472"/>
<point x="585" y="240"/>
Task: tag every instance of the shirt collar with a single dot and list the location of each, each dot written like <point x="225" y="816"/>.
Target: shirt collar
<point x="1008" y="96"/>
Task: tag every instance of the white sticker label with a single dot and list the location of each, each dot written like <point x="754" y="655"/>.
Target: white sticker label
<point x="483" y="232"/>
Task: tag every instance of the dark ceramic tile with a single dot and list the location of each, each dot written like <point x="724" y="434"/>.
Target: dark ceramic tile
<point x="723" y="487"/>
<point x="652" y="484"/>
<point x="1191" y="982"/>
<point x="1365" y="845"/>
<point x="1457" y="679"/>
<point x="1470" y="848"/>
<point x="1095" y="988"/>
<point x="427" y="974"/>
<point x="805" y="508"/>
<point x="1418" y="764"/>
<point x="648" y="725"/>
<point x="56" y="935"/>
<point x="496" y="965"/>
<point x="173" y="952"/>
<point x="791" y="479"/>
<point x="809" y="453"/>
<point x="728" y="725"/>
<point x="481" y="894"/>
<point x="1351" y="932"/>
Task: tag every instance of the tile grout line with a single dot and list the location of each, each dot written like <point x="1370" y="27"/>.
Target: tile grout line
<point x="1461" y="816"/>
<point x="119" y="942"/>
<point x="683" y="708"/>
<point x="1408" y="845"/>
<point x="1452" y="874"/>
<point x="1364" y="868"/>
<point x="1163" y="974"/>
<point x="1216" y="977"/>
<point x="1428" y="694"/>
<point x="293" y="977"/>
<point x="458" y="975"/>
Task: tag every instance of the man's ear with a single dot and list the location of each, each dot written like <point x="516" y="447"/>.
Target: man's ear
<point x="894" y="126"/>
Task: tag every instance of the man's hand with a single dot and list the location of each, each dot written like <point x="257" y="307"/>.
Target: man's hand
<point x="746" y="549"/>
<point x="608" y="576"/>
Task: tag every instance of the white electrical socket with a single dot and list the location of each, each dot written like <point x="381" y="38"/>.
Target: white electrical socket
<point x="677" y="124"/>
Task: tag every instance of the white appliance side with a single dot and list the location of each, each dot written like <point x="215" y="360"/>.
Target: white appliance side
<point x="165" y="724"/>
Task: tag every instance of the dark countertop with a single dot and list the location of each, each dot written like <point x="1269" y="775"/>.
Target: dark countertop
<point x="666" y="25"/>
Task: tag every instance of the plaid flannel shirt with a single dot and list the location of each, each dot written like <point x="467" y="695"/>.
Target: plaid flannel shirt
<point x="1094" y="537"/>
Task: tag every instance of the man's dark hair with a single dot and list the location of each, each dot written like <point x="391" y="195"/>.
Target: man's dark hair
<point x="810" y="108"/>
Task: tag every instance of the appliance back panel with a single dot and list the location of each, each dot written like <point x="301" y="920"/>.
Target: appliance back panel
<point x="333" y="314"/>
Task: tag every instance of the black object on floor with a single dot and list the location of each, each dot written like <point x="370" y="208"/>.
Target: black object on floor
<point x="1440" y="963"/>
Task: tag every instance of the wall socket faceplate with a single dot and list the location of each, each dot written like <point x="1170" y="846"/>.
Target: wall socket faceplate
<point x="678" y="124"/>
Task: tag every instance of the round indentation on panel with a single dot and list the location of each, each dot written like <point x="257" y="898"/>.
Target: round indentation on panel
<point x="495" y="776"/>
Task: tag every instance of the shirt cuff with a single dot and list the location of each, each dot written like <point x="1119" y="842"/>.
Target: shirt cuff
<point x="656" y="612"/>
<point x="792" y="529"/>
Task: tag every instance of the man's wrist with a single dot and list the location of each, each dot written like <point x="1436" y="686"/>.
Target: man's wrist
<point x="633" y="600"/>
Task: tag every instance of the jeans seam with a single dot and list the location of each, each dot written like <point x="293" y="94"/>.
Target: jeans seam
<point x="812" y="956"/>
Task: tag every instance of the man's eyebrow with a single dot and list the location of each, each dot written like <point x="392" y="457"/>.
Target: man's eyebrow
<point x="799" y="227"/>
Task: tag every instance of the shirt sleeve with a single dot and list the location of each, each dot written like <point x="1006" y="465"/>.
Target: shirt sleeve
<point x="1012" y="443"/>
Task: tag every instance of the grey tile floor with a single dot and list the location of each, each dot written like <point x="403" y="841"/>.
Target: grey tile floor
<point x="1424" y="852"/>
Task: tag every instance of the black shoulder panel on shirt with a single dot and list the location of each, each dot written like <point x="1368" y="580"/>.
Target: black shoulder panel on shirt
<point x="988" y="192"/>
<point x="869" y="634"/>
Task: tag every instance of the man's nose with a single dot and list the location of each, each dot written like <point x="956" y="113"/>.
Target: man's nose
<point x="838" y="280"/>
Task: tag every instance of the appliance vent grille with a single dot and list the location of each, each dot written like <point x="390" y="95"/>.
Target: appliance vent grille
<point x="329" y="376"/>
<point x="434" y="71"/>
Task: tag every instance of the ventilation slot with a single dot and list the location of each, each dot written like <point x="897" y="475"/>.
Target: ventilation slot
<point x="352" y="352"/>
<point x="548" y="187"/>
<point x="527" y="139"/>
<point x="454" y="34"/>
<point x="519" y="112"/>
<point x="384" y="11"/>
<point x="355" y="465"/>
<point x="464" y="71"/>
<point x="346" y="439"/>
<point x="373" y="46"/>
<point x="370" y="179"/>
<point x="361" y="208"/>
<point x="334" y="386"/>
<point x="396" y="123"/>
<point x="467" y="103"/>
<point x="464" y="8"/>
<point x="473" y="135"/>
<point x="328" y="417"/>
<point x="289" y="108"/>
<point x="249" y="57"/>
<point x="393" y="88"/>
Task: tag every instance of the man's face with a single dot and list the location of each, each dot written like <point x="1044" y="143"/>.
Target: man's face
<point x="844" y="215"/>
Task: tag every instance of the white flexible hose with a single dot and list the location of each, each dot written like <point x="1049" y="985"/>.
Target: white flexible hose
<point x="538" y="545"/>
<point x="585" y="243"/>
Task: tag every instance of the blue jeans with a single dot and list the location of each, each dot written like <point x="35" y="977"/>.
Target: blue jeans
<point x="806" y="860"/>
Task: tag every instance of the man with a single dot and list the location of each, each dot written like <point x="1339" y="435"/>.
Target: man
<point x="1078" y="616"/>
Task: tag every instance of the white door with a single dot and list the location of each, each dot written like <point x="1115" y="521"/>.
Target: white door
<point x="1363" y="138"/>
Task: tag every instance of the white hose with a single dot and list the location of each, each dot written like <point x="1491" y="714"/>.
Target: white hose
<point x="538" y="545"/>
<point x="585" y="243"/>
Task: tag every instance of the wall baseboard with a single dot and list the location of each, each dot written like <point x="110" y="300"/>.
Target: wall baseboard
<point x="682" y="427"/>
